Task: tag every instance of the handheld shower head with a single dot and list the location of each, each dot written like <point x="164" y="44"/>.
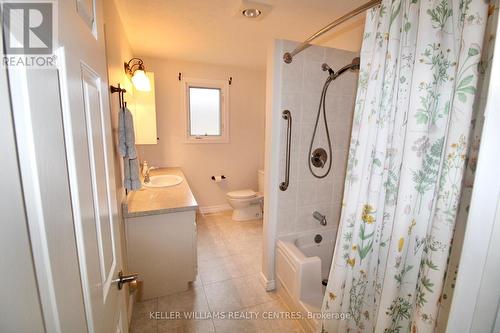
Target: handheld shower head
<point x="353" y="66"/>
<point x="325" y="68"/>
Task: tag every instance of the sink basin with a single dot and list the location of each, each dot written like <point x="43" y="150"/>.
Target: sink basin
<point x="163" y="181"/>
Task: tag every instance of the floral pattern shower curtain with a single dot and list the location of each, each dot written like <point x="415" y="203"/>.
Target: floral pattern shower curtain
<point x="414" y="104"/>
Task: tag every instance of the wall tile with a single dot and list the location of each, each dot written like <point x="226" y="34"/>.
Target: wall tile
<point x="314" y="53"/>
<point x="293" y="76"/>
<point x="302" y="85"/>
<point x="310" y="104"/>
<point x="314" y="77"/>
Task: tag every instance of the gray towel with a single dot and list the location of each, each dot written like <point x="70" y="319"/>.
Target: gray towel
<point x="126" y="147"/>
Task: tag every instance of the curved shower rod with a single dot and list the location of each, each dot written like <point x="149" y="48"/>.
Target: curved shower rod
<point x="288" y="56"/>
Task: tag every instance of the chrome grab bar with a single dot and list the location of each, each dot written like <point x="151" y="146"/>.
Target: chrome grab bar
<point x="287" y="116"/>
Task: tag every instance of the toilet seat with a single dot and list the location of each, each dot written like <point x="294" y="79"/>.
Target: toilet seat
<point x="247" y="204"/>
<point x="242" y="194"/>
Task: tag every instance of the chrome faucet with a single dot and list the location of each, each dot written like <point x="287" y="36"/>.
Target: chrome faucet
<point x="146" y="174"/>
<point x="320" y="217"/>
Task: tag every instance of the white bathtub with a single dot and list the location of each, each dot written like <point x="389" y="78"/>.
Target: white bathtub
<point x="301" y="265"/>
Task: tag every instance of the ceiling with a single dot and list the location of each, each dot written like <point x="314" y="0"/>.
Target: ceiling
<point x="213" y="31"/>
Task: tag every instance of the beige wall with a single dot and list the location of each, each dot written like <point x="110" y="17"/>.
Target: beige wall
<point x="117" y="51"/>
<point x="239" y="159"/>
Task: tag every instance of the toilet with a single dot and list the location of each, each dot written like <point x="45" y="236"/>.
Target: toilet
<point x="247" y="204"/>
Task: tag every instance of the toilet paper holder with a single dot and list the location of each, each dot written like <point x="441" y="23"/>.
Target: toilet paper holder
<point x="222" y="177"/>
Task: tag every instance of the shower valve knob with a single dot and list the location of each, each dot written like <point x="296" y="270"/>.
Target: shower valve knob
<point x="316" y="161"/>
<point x="319" y="157"/>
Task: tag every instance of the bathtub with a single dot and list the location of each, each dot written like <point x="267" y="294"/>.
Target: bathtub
<point x="301" y="265"/>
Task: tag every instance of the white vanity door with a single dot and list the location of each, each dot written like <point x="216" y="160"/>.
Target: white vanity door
<point x="163" y="248"/>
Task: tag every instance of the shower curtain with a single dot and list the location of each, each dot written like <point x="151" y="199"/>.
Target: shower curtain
<point x="416" y="90"/>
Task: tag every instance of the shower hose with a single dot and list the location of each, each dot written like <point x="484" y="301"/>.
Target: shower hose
<point x="322" y="109"/>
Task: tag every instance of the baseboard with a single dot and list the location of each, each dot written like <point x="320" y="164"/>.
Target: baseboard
<point x="215" y="209"/>
<point x="269" y="285"/>
<point x="131" y="303"/>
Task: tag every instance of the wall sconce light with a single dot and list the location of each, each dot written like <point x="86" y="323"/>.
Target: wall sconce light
<point x="135" y="69"/>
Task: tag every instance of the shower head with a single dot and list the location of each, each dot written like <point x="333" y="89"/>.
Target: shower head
<point x="325" y="68"/>
<point x="353" y="66"/>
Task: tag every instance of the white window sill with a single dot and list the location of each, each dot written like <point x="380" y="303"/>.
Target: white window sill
<point x="206" y="140"/>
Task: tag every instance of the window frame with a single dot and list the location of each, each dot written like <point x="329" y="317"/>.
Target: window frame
<point x="223" y="87"/>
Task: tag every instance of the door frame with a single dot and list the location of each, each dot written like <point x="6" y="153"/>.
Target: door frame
<point x="476" y="297"/>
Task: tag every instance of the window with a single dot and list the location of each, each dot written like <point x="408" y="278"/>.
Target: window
<point x="206" y="110"/>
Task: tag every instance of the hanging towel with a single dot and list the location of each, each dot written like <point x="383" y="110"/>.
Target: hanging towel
<point x="126" y="147"/>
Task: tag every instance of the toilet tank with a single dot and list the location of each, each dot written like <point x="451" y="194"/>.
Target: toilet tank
<point x="261" y="181"/>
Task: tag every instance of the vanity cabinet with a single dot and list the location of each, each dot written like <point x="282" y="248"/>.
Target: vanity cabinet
<point x="162" y="249"/>
<point x="160" y="233"/>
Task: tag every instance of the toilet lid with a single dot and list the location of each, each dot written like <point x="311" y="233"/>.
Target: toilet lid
<point x="242" y="194"/>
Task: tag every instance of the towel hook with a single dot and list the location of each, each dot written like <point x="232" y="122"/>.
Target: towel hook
<point x="121" y="92"/>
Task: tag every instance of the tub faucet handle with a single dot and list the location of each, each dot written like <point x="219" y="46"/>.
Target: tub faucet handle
<point x="320" y="217"/>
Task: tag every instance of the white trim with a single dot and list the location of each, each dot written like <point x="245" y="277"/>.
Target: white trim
<point x="269" y="285"/>
<point x="224" y="90"/>
<point x="272" y="158"/>
<point x="215" y="209"/>
<point x="475" y="301"/>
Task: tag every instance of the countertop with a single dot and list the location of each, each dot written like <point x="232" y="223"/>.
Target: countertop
<point x="163" y="200"/>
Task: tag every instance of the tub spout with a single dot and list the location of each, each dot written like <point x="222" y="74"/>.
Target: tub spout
<point x="320" y="217"/>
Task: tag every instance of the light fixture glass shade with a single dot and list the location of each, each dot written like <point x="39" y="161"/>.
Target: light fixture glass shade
<point x="141" y="81"/>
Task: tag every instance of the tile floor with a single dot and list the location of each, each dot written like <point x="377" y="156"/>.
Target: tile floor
<point x="229" y="261"/>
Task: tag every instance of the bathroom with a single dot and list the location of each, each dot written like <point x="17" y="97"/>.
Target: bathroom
<point x="250" y="166"/>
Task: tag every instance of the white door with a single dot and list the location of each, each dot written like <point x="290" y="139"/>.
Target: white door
<point x="20" y="295"/>
<point x="89" y="148"/>
<point x="65" y="150"/>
